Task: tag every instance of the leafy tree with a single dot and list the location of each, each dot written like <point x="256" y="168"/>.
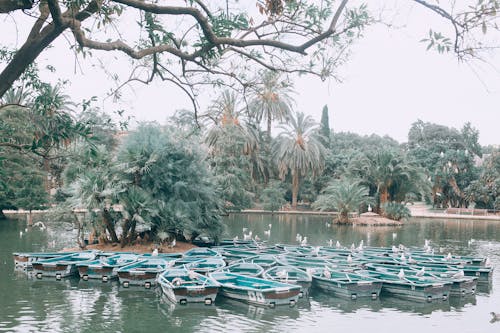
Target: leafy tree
<point x="171" y="169"/>
<point x="271" y="100"/>
<point x="344" y="196"/>
<point x="324" y="129"/>
<point x="288" y="36"/>
<point x="396" y="211"/>
<point x="272" y="196"/>
<point x="485" y="191"/>
<point x="448" y="156"/>
<point x="232" y="144"/>
<point x="298" y="151"/>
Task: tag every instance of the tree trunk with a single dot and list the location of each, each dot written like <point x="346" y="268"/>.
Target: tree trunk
<point x="295" y="189"/>
<point x="384" y="196"/>
<point x="124" y="239"/>
<point x="109" y="226"/>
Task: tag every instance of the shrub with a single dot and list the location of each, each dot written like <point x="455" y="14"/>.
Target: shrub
<point x="395" y="211"/>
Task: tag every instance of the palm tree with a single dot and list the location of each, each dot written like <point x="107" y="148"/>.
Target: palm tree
<point x="343" y="196"/>
<point x="271" y="101"/>
<point x="298" y="151"/>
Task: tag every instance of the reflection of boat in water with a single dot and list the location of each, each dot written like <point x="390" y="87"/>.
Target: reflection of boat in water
<point x="258" y="312"/>
<point x="459" y="302"/>
<point x="423" y="308"/>
<point x="343" y="304"/>
<point x="51" y="284"/>
<point x="185" y="311"/>
<point x="484" y="288"/>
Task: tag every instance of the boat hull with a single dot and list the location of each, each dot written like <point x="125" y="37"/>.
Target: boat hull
<point x="197" y="294"/>
<point x="426" y="293"/>
<point x="54" y="270"/>
<point x="349" y="290"/>
<point x="263" y="298"/>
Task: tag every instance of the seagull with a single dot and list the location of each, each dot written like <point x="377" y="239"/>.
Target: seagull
<point x="401" y="274"/>
<point x="155" y="253"/>
<point x="395" y="249"/>
<point x="267" y="233"/>
<point x="403" y="258"/>
<point x="326" y="273"/>
<point x="487" y="262"/>
<point x="282" y="274"/>
<point x="394" y="235"/>
<point x="411" y="260"/>
<point x="316" y="250"/>
<point x="353" y="247"/>
<point x="448" y="257"/>
<point x="349" y="259"/>
<point x="20" y="234"/>
<point x="458" y="275"/>
<point x="270" y="226"/>
<point x="298" y="238"/>
<point x="235" y="239"/>
<point x="257" y="238"/>
<point x="495" y="317"/>
<point x="330" y="243"/>
<point x="174" y="242"/>
<point x="337" y="245"/>
<point x="421" y="272"/>
<point x="303" y="242"/>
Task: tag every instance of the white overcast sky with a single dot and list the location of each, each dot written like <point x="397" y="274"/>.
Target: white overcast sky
<point x="389" y="82"/>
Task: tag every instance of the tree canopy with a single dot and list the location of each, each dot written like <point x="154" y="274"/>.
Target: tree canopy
<point x="195" y="43"/>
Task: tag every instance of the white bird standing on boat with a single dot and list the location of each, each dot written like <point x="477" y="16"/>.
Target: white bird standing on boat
<point x="330" y="243"/>
<point x="304" y="241"/>
<point x="326" y="273"/>
<point x="403" y="258"/>
<point x="353" y="247"/>
<point x="337" y="245"/>
<point x="235" y="239"/>
<point x="420" y="272"/>
<point x="487" y="262"/>
<point x="298" y="238"/>
<point x="270" y="226"/>
<point x="316" y="250"/>
<point x="401" y="274"/>
<point x="20" y="234"/>
<point x="257" y="238"/>
<point x="458" y="275"/>
<point x="448" y="257"/>
<point x="267" y="233"/>
<point x="411" y="260"/>
<point x="309" y="271"/>
<point x="155" y="253"/>
<point x="349" y="259"/>
<point x="395" y="249"/>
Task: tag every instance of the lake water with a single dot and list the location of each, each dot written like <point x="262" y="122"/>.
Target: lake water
<point x="28" y="305"/>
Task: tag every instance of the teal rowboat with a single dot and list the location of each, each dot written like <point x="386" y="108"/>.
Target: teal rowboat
<point x="292" y="275"/>
<point x="255" y="290"/>
<point x="206" y="265"/>
<point x="346" y="284"/>
<point x="143" y="272"/>
<point x="244" y="268"/>
<point x="184" y="286"/>
<point x="62" y="266"/>
<point x="105" y="268"/>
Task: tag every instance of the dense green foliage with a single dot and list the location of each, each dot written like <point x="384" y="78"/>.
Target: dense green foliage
<point x="344" y="196"/>
<point x="396" y="211"/>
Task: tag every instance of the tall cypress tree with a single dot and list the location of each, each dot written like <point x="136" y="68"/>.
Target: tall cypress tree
<point x="324" y="129"/>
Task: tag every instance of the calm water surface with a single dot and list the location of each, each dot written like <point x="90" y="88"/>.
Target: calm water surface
<point x="81" y="306"/>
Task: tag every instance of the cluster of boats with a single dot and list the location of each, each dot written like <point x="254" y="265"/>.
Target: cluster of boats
<point x="273" y="275"/>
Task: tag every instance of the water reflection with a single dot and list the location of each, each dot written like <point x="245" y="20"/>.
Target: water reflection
<point x="72" y="305"/>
